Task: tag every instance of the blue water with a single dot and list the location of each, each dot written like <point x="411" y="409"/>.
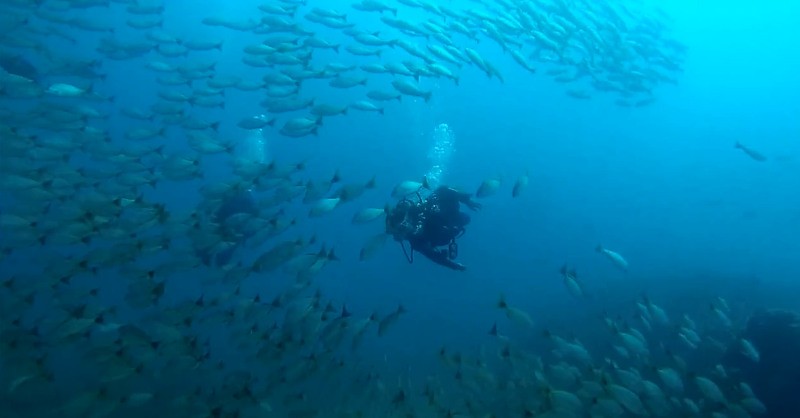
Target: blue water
<point x="662" y="185"/>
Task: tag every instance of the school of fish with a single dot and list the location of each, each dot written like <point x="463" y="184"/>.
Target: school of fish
<point x="79" y="215"/>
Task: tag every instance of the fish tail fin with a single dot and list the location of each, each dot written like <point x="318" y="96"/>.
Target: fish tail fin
<point x="331" y="255"/>
<point x="501" y="302"/>
<point x="737" y="145"/>
<point x="599" y="248"/>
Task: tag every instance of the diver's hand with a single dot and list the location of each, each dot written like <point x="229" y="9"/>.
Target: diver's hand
<point x="475" y="206"/>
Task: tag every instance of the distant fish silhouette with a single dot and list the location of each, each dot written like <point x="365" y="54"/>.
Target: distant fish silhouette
<point x="614" y="256"/>
<point x="751" y="152"/>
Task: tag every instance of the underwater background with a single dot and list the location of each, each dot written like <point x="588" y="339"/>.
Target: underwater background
<point x="663" y="133"/>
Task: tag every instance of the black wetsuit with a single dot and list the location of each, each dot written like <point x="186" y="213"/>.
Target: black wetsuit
<point x="441" y="223"/>
<point x="241" y="203"/>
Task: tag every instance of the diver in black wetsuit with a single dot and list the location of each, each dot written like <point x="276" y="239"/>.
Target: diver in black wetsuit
<point x="239" y="203"/>
<point x="432" y="225"/>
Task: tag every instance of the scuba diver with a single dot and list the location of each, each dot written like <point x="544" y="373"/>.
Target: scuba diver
<point x="242" y="202"/>
<point x="432" y="225"/>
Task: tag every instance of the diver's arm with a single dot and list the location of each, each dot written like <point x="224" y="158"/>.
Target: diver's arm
<point x="448" y="193"/>
<point x="466" y="199"/>
<point x="438" y="257"/>
<point x="475" y="206"/>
